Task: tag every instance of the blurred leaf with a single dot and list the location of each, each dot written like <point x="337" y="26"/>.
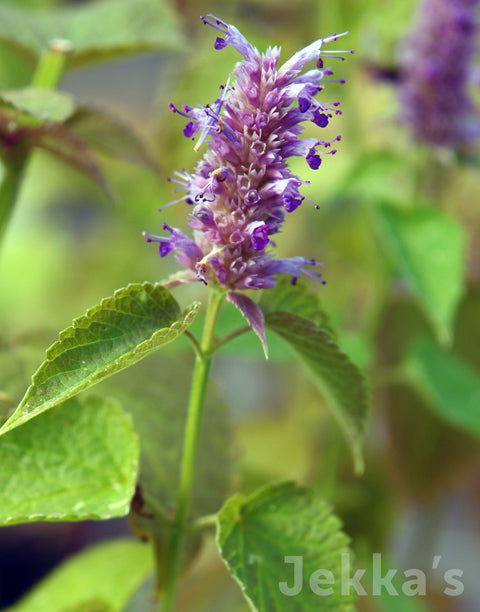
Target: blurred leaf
<point x="51" y="120"/>
<point x="75" y="463"/>
<point x="428" y="248"/>
<point x="338" y="379"/>
<point x="41" y="104"/>
<point x="95" y="30"/>
<point x="449" y="385"/>
<point x="18" y="358"/>
<point x="375" y="175"/>
<point x="109" y="135"/>
<point x="58" y="140"/>
<point x="113" y="335"/>
<point x="426" y="454"/>
<point x="297" y="299"/>
<point x="159" y="415"/>
<point x="257" y="533"/>
<point x="106" y="574"/>
<point x="90" y="605"/>
<point x="398" y="600"/>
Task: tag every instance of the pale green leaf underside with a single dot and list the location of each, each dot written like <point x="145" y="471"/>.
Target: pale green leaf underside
<point x="76" y="462"/>
<point x="41" y="104"/>
<point x="450" y="385"/>
<point x="111" y="336"/>
<point x="107" y="573"/>
<point x="428" y="248"/>
<point x="95" y="30"/>
<point x="339" y="380"/>
<point x="255" y="534"/>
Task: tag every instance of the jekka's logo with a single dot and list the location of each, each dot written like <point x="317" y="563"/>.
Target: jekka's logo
<point x="410" y="582"/>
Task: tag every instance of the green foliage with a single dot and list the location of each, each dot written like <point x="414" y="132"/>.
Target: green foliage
<point x="63" y="246"/>
<point x="298" y="299"/>
<point x="159" y="415"/>
<point x="95" y="31"/>
<point x="339" y="380"/>
<point x="107" y="134"/>
<point x="256" y="533"/>
<point x="43" y="105"/>
<point x="77" y="462"/>
<point x="428" y="248"/>
<point x="35" y="117"/>
<point x="113" y="335"/>
<point x="449" y="385"/>
<point x="100" y="579"/>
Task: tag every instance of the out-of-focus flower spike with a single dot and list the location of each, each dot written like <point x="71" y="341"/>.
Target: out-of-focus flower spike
<point x="435" y="73"/>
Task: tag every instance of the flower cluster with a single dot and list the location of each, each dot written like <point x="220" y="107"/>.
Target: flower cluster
<point x="436" y="72"/>
<point x="242" y="189"/>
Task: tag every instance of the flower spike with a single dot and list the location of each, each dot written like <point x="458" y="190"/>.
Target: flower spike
<point x="242" y="190"/>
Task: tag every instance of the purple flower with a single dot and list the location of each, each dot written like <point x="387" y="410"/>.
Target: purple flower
<point x="242" y="189"/>
<point x="436" y="68"/>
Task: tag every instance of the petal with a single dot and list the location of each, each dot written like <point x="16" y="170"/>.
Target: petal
<point x="253" y="314"/>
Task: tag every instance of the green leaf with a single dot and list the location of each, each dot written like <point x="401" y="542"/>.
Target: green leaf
<point x="109" y="135"/>
<point x="113" y="335"/>
<point x="41" y="104"/>
<point x="428" y="248"/>
<point x="52" y="120"/>
<point x="298" y="299"/>
<point x="101" y="578"/>
<point x="449" y="384"/>
<point x="339" y="380"/>
<point x="95" y="30"/>
<point x="257" y="534"/>
<point x="60" y="141"/>
<point x="77" y="462"/>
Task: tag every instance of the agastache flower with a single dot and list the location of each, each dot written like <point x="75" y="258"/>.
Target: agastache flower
<point x="242" y="189"/>
<point x="436" y="70"/>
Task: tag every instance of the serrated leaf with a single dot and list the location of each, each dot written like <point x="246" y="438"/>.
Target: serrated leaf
<point x="106" y="574"/>
<point x="449" y="384"/>
<point x="258" y="536"/>
<point x="41" y="104"/>
<point x="428" y="248"/>
<point x="77" y="462"/>
<point x="113" y="335"/>
<point x="95" y="30"/>
<point x="338" y="379"/>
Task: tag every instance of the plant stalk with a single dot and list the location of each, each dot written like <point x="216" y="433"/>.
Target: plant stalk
<point x="9" y="188"/>
<point x="48" y="73"/>
<point x="190" y="445"/>
<point x="51" y="64"/>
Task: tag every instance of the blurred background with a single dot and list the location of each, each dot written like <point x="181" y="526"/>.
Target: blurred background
<point x="68" y="245"/>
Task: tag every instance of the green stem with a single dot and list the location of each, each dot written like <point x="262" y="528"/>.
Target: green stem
<point x="51" y="64"/>
<point x="232" y="335"/>
<point x="48" y="73"/>
<point x="190" y="445"/>
<point x="9" y="188"/>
